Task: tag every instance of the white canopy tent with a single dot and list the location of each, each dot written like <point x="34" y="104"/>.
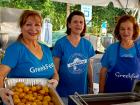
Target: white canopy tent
<point x="117" y="3"/>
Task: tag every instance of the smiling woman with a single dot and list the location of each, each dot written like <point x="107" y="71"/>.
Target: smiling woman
<point x="72" y="55"/>
<point x="121" y="61"/>
<point x="27" y="57"/>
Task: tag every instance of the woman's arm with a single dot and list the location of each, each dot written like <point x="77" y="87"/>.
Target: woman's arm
<point x="55" y="79"/>
<point x="90" y="76"/>
<point x="4" y="70"/>
<point x="102" y="78"/>
<point x="56" y="63"/>
<point x="56" y="76"/>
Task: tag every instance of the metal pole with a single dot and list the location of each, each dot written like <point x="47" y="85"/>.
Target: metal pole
<point x="138" y="17"/>
<point x="68" y="9"/>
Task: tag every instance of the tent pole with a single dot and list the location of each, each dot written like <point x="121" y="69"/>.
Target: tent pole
<point x="120" y="4"/>
<point x="68" y="9"/>
<point x="138" y="17"/>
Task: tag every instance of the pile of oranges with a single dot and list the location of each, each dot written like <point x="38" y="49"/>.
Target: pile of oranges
<point x="31" y="95"/>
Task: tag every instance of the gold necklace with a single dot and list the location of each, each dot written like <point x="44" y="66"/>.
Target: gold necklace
<point x="127" y="45"/>
<point x="30" y="47"/>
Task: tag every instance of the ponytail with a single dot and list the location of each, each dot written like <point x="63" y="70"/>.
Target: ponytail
<point x="20" y="37"/>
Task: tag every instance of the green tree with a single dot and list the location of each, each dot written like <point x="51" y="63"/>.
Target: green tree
<point x="55" y="11"/>
<point x="101" y="14"/>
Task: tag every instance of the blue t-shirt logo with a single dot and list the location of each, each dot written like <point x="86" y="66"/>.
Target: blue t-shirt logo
<point x="77" y="63"/>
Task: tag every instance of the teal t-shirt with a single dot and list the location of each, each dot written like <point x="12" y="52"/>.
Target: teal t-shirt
<point x="25" y="64"/>
<point x="73" y="65"/>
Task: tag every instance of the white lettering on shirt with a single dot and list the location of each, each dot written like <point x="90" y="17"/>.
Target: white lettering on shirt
<point x="42" y="68"/>
<point x="129" y="75"/>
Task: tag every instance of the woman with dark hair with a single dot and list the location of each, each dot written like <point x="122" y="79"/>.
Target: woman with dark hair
<point x="121" y="61"/>
<point x="72" y="58"/>
<point x="27" y="57"/>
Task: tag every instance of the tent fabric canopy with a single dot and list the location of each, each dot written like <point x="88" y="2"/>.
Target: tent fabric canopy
<point x="116" y="3"/>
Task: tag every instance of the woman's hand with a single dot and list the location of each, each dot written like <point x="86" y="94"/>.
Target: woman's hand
<point x="53" y="82"/>
<point x="4" y="94"/>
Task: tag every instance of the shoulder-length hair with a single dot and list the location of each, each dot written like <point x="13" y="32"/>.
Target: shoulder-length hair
<point x="79" y="13"/>
<point x="124" y="19"/>
<point x="24" y="16"/>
